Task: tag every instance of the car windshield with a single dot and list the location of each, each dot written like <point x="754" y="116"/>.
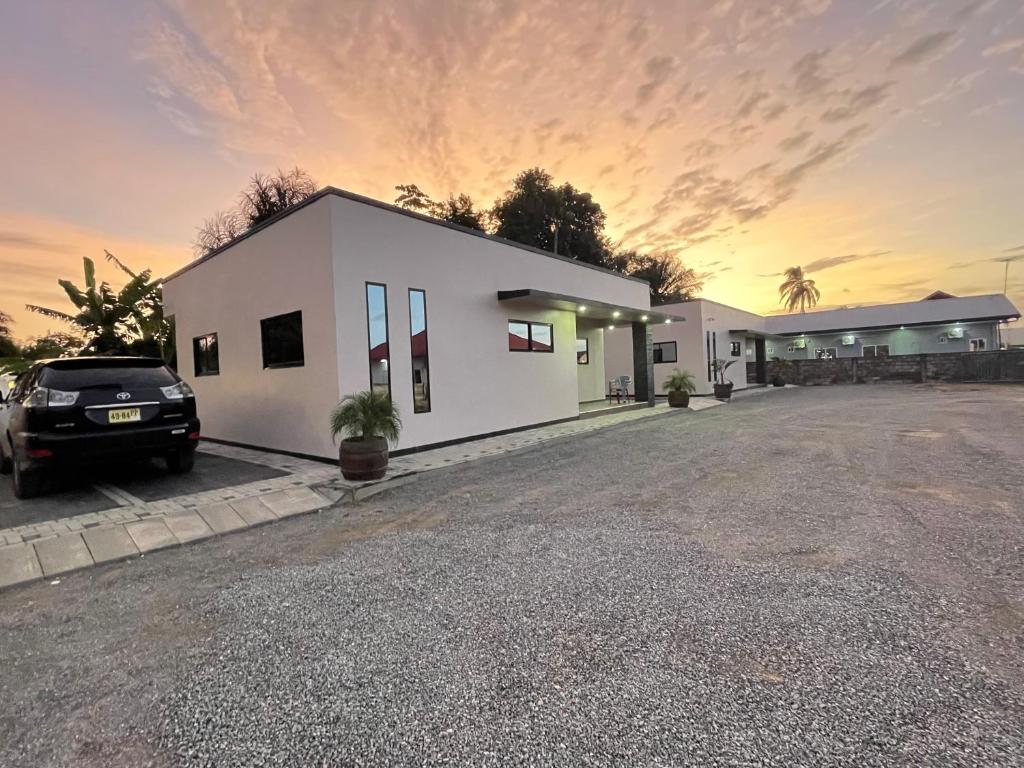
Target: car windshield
<point x="120" y="377"/>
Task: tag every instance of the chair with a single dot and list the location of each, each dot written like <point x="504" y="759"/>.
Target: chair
<point x="619" y="387"/>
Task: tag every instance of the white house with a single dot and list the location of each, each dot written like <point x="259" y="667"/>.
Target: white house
<point x="471" y="335"/>
<point x="939" y="323"/>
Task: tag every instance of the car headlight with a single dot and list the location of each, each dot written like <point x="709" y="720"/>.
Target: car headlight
<point x="178" y="391"/>
<point x="41" y="397"/>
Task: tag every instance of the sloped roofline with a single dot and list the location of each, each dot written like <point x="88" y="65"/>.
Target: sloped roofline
<point x="352" y="196"/>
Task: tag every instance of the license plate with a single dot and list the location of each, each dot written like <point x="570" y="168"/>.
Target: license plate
<point x="122" y="415"/>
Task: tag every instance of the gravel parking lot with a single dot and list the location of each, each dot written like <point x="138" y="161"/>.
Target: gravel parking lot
<point x="829" y="576"/>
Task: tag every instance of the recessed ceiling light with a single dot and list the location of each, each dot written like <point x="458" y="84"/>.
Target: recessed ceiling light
<point x="644" y="318"/>
<point x="616" y="313"/>
<point x="582" y="308"/>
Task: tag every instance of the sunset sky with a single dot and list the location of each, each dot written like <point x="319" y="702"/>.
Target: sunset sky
<point x="877" y="143"/>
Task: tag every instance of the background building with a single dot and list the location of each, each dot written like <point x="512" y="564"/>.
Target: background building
<point x="937" y="324"/>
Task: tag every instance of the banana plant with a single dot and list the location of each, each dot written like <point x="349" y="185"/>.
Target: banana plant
<point x="109" y="319"/>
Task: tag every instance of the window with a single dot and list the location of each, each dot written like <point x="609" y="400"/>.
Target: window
<point x="418" y="345"/>
<point x="530" y="337"/>
<point x="826" y="353"/>
<point x="977" y="345"/>
<point x="582" y="351"/>
<point x="734" y="348"/>
<point x="377" y="336"/>
<point x="99" y="373"/>
<point x="205" y="355"/>
<point x="876" y="350"/>
<point x="282" y="341"/>
<point x="665" y="352"/>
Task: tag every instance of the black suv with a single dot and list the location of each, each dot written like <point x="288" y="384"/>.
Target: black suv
<point x="89" y="410"/>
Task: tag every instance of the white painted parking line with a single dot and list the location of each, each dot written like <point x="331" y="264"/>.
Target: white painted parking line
<point x="119" y="496"/>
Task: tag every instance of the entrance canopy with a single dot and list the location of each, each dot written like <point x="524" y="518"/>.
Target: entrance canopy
<point x="585" y="308"/>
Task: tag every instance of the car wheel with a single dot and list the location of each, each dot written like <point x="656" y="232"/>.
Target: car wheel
<point x="5" y="463"/>
<point x="180" y="462"/>
<point x="28" y="484"/>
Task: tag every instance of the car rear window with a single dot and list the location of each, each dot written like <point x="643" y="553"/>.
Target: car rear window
<point x="72" y="379"/>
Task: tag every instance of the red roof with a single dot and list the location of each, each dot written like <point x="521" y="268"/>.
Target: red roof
<point x="418" y="343"/>
<point x="520" y="344"/>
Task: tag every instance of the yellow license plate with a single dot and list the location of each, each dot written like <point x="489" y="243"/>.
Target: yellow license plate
<point x="122" y="415"/>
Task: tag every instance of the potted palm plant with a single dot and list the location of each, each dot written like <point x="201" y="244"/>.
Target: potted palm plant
<point x="370" y="422"/>
<point x="679" y="386"/>
<point x="723" y="388"/>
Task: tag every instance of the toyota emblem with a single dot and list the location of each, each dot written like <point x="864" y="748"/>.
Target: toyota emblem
<point x="124" y="396"/>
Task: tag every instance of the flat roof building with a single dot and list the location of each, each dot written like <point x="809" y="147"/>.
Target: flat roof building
<point x="469" y="334"/>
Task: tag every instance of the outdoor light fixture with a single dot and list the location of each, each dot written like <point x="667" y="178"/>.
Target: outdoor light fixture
<point x="611" y="327"/>
<point x="643" y="318"/>
<point x="667" y="321"/>
<point x="616" y="313"/>
<point x="582" y="308"/>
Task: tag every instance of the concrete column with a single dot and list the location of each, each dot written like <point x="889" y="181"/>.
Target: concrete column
<point x="643" y="364"/>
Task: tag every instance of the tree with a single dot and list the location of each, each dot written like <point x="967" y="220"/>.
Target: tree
<point x="220" y="229"/>
<point x="264" y="197"/>
<point x="8" y="347"/>
<point x="267" y="196"/>
<point x="459" y="210"/>
<point x="559" y="219"/>
<point x="111" y="320"/>
<point x="798" y="291"/>
<point x="412" y="198"/>
<point x="455" y="210"/>
<point x="670" y="280"/>
<point x="53" y="344"/>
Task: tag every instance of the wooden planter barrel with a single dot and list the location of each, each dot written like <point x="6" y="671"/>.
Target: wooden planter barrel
<point x="678" y="399"/>
<point x="362" y="460"/>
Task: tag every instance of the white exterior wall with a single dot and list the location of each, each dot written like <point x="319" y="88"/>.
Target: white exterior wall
<point x="477" y="385"/>
<point x="280" y="269"/>
<point x="590" y="378"/>
<point x="691" y="343"/>
<point x="318" y="260"/>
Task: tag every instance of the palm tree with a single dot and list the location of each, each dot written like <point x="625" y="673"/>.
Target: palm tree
<point x="111" y="320"/>
<point x="797" y="290"/>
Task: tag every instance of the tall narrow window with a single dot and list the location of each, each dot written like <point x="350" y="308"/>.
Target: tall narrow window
<point x="377" y="331"/>
<point x="205" y="355"/>
<point x="420" y="356"/>
<point x="583" y="351"/>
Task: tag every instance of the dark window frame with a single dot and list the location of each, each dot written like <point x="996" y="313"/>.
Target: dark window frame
<point x="586" y="351"/>
<point x="387" y="333"/>
<point x="659" y="346"/>
<point x="299" y="363"/>
<point x="735" y="349"/>
<point x="412" y="357"/>
<point x="529" y="330"/>
<point x="215" y="371"/>
<point x="874" y="350"/>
